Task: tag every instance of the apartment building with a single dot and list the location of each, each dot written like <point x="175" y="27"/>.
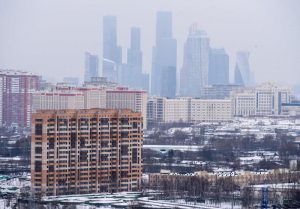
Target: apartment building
<point x="176" y="110"/>
<point x="264" y="100"/>
<point x="210" y="110"/>
<point x="186" y="109"/>
<point x="244" y="103"/>
<point x="270" y="98"/>
<point x="86" y="151"/>
<point x="121" y="97"/>
<point x="16" y="88"/>
<point x="155" y="106"/>
<point x="92" y="97"/>
<point x="53" y="100"/>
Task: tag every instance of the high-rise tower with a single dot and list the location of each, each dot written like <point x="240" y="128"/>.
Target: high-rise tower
<point x="164" y="57"/>
<point x="218" y="73"/>
<point x="134" y="53"/>
<point x="242" y="75"/>
<point x="91" y="67"/>
<point x="112" y="53"/>
<point x="133" y="73"/>
<point x="194" y="72"/>
<point x="134" y="59"/>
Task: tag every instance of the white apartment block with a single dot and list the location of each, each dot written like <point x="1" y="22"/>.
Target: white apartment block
<point x="48" y="100"/>
<point x="263" y="100"/>
<point x="270" y="98"/>
<point x="244" y="103"/>
<point x="211" y="110"/>
<point x="155" y="110"/>
<point x="125" y="98"/>
<point x="186" y="109"/>
<point x="175" y="110"/>
<point x="92" y="97"/>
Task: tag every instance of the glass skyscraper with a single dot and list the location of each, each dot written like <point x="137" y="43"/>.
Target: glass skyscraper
<point x="194" y="72"/>
<point x="242" y="75"/>
<point x="164" y="57"/>
<point x="111" y="51"/>
<point x="91" y="66"/>
<point x="218" y="73"/>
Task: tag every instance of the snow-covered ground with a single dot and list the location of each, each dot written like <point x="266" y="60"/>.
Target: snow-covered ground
<point x="122" y="200"/>
<point x="7" y="182"/>
<point x="173" y="147"/>
<point x="260" y="127"/>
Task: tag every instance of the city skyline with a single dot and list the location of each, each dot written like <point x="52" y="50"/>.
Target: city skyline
<point x="142" y="104"/>
<point x="41" y="53"/>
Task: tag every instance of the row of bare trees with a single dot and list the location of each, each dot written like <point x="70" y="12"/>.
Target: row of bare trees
<point x="282" y="186"/>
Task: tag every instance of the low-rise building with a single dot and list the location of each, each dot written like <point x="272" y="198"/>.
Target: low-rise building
<point x="186" y="109"/>
<point x="244" y="103"/>
<point x="291" y="109"/>
<point x="176" y="110"/>
<point x="210" y="110"/>
<point x="270" y="97"/>
<point x="264" y="100"/>
<point x="240" y="178"/>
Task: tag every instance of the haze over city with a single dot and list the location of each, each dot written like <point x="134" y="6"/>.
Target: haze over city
<point x="136" y="104"/>
<point x="51" y="37"/>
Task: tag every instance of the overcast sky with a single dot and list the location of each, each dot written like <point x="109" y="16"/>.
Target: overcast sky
<point x="49" y="37"/>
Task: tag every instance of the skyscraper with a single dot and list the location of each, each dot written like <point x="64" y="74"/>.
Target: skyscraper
<point x="194" y="72"/>
<point x="132" y="73"/>
<point x="111" y="51"/>
<point x="242" y="75"/>
<point x="91" y="66"/>
<point x="164" y="56"/>
<point x="163" y="25"/>
<point x="168" y="80"/>
<point x="110" y="70"/>
<point x="134" y="53"/>
<point x="218" y="73"/>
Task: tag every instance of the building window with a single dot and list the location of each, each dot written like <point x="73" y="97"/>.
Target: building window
<point x="104" y="121"/>
<point x="38" y="129"/>
<point x="124" y="121"/>
<point x="51" y="168"/>
<point x="124" y="149"/>
<point x="38" y="150"/>
<point x="38" y="166"/>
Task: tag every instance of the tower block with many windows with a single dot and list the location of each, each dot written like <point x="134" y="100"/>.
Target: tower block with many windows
<point x="86" y="151"/>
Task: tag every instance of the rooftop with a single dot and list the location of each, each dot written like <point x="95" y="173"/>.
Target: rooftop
<point x="15" y="72"/>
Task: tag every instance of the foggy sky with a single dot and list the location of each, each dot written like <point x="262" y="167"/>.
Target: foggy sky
<point x="49" y="37"/>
